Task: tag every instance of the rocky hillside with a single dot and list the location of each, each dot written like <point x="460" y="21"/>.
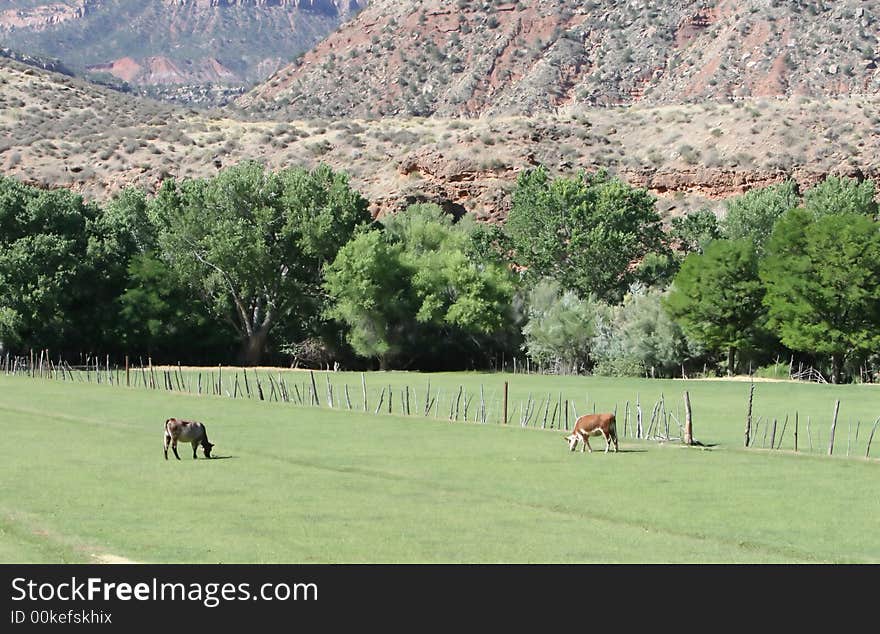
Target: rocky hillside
<point x="172" y="42"/>
<point x="60" y="131"/>
<point x="477" y="58"/>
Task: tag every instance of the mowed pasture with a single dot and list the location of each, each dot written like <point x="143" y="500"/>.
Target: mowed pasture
<point x="84" y="477"/>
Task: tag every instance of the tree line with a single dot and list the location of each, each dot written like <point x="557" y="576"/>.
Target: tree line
<point x="258" y="266"/>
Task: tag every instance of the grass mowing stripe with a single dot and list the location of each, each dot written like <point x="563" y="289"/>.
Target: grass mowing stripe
<point x="27" y="540"/>
<point x="66" y="418"/>
<point x="612" y="521"/>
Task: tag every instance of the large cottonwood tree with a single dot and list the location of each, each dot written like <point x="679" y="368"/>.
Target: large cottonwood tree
<point x="253" y="243"/>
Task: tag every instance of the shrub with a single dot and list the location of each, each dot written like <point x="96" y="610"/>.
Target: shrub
<point x="772" y="371"/>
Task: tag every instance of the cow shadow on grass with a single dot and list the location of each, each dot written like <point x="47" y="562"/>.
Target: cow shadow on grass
<point x="223" y="457"/>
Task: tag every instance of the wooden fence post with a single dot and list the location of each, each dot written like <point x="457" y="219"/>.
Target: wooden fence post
<point x="833" y="427"/>
<point x="329" y="391"/>
<point x="504" y="408"/>
<point x="782" y="435"/>
<point x="639" y="429"/>
<point x="247" y="385"/>
<point x="809" y="434"/>
<point x="688" y="422"/>
<point x="259" y="386"/>
<point x="364" y="387"/>
<point x="871" y="437"/>
<point x="315" y="399"/>
<point x="381" y="399"/>
<point x="749" y="415"/>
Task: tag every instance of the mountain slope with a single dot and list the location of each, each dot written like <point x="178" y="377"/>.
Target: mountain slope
<point x="61" y="131"/>
<point x="435" y="57"/>
<point x="172" y="41"/>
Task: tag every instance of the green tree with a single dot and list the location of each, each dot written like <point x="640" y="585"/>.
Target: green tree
<point x="836" y="195"/>
<point x="560" y="327"/>
<point x="716" y="296"/>
<point x="823" y="284"/>
<point x="419" y="284"/>
<point x="753" y="214"/>
<point x="584" y="232"/>
<point x="56" y="276"/>
<point x="160" y="317"/>
<point x="693" y="232"/>
<point x="254" y="243"/>
<point x="642" y="335"/>
<point x="452" y="285"/>
<point x="368" y="283"/>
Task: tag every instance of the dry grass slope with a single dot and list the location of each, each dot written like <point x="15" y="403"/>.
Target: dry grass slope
<point x="60" y="131"/>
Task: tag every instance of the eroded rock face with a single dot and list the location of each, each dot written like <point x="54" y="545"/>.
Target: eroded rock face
<point x="438" y="58"/>
<point x="182" y="42"/>
<point x="43" y="16"/>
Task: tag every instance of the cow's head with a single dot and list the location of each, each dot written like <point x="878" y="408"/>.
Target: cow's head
<point x="572" y="440"/>
<point x="207" y="447"/>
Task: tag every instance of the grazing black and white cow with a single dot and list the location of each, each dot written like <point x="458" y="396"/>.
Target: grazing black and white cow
<point x="186" y="431"/>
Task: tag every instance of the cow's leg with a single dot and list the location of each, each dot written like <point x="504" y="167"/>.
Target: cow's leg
<point x="607" y="438"/>
<point x="167" y="440"/>
<point x="195" y="445"/>
<point x="174" y="448"/>
<point x="586" y="438"/>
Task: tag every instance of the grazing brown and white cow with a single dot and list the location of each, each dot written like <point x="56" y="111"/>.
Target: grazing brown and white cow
<point x="186" y="431"/>
<point x="604" y="425"/>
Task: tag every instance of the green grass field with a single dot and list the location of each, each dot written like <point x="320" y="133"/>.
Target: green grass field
<point x="83" y="478"/>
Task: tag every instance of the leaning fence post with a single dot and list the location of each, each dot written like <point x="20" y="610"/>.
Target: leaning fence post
<point x="782" y="435"/>
<point x="247" y="385"/>
<point x="546" y="410"/>
<point x="259" y="386"/>
<point x="315" y="399"/>
<point x="381" y="398"/>
<point x="871" y="437"/>
<point x="833" y="427"/>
